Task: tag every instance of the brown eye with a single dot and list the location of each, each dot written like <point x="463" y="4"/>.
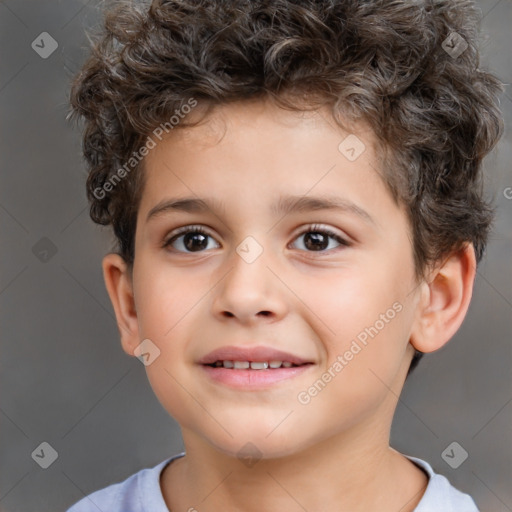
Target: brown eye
<point x="317" y="239"/>
<point x="190" y="239"/>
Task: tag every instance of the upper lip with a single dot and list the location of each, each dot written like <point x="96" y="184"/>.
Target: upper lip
<point x="251" y="354"/>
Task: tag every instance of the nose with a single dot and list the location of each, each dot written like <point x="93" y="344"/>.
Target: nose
<point x="250" y="292"/>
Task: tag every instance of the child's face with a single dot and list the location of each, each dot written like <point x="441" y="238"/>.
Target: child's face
<point x="200" y="294"/>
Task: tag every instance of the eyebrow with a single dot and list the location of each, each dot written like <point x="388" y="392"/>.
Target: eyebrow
<point x="284" y="206"/>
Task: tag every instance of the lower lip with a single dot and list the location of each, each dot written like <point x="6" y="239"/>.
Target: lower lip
<point x="251" y="379"/>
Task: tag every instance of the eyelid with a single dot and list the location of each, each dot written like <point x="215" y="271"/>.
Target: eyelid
<point x="313" y="227"/>
<point x="189" y="227"/>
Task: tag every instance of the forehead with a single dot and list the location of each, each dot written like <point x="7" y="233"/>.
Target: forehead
<point x="257" y="113"/>
<point x="255" y="125"/>
<point x="256" y="147"/>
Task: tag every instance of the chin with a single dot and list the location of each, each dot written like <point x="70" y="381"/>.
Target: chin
<point x="252" y="444"/>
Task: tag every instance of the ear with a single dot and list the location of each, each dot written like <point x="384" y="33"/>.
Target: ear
<point x="119" y="286"/>
<point x="444" y="301"/>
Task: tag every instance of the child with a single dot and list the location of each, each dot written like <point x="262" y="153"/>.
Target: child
<point x="326" y="156"/>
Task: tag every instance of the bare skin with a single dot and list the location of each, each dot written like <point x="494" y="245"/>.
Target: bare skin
<point x="331" y="453"/>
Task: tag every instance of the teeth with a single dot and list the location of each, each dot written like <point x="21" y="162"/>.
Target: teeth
<point x="253" y="365"/>
<point x="259" y="366"/>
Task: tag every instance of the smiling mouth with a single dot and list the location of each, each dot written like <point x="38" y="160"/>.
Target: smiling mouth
<point x="257" y="374"/>
<point x="254" y="365"/>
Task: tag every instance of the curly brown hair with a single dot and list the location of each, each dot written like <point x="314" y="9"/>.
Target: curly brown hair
<point x="407" y="68"/>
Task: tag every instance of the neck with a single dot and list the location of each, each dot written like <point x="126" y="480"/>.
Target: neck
<point x="355" y="471"/>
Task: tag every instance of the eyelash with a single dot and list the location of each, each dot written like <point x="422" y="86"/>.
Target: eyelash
<point x="314" y="228"/>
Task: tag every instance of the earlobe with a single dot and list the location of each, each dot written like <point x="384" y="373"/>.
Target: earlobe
<point x="120" y="289"/>
<point x="444" y="301"/>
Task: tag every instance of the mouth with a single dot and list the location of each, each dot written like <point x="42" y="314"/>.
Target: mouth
<point x="253" y="365"/>
<point x="253" y="368"/>
<point x="244" y="357"/>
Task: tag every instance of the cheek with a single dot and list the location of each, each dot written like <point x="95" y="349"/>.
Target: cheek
<point x="364" y="359"/>
<point x="361" y="315"/>
<point x="164" y="299"/>
<point x="170" y="388"/>
<point x="349" y="300"/>
<point x="169" y="374"/>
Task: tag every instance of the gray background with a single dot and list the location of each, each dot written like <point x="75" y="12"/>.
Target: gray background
<point x="64" y="378"/>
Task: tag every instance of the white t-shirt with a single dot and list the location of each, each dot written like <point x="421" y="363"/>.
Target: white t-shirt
<point x="141" y="493"/>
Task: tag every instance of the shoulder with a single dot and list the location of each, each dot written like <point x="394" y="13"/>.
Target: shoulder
<point x="440" y="494"/>
<point x="126" y="496"/>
